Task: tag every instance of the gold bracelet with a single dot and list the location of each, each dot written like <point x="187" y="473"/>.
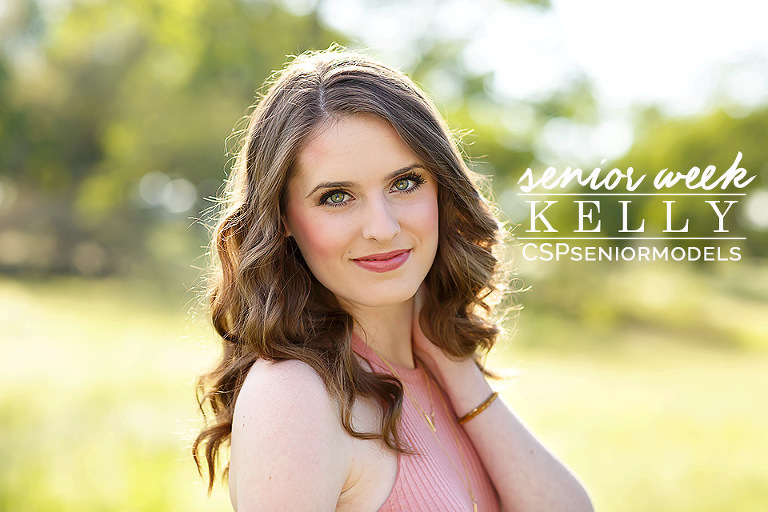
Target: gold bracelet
<point x="480" y="408"/>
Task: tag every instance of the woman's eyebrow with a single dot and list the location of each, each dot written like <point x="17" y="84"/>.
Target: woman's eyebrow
<point x="350" y="184"/>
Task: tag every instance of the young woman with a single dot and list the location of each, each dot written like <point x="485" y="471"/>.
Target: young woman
<point x="355" y="259"/>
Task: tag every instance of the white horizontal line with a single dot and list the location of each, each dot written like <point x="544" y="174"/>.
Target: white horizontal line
<point x="631" y="194"/>
<point x="632" y="238"/>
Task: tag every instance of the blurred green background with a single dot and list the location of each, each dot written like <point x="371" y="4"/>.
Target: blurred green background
<point x="118" y="121"/>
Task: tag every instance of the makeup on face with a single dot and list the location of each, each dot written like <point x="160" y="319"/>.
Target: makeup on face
<point x="384" y="262"/>
<point x="363" y="211"/>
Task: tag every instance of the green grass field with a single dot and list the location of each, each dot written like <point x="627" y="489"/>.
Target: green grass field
<point x="97" y="406"/>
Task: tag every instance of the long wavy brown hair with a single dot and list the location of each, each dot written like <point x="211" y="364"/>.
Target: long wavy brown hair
<point x="263" y="300"/>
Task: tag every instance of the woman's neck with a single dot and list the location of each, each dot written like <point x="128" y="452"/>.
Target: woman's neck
<point x="387" y="330"/>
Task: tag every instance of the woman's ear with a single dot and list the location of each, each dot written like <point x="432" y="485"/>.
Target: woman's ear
<point x="286" y="227"/>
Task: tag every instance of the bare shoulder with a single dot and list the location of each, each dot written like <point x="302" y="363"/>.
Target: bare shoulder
<point x="272" y="385"/>
<point x="285" y="398"/>
<point x="286" y="436"/>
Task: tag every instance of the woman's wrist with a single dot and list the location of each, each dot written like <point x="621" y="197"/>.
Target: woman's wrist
<point x="464" y="384"/>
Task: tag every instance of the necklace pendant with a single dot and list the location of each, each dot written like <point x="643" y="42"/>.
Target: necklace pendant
<point x="429" y="422"/>
<point x="474" y="505"/>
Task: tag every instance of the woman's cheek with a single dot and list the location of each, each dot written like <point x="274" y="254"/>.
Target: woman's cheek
<point x="423" y="216"/>
<point x="322" y="236"/>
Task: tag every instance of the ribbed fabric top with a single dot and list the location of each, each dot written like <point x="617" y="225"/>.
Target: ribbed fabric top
<point x="432" y="480"/>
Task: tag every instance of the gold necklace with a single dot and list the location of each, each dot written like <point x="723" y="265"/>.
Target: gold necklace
<point x="466" y="480"/>
<point x="429" y="418"/>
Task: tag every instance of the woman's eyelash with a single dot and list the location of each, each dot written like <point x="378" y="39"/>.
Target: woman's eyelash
<point x="418" y="179"/>
<point x="324" y="198"/>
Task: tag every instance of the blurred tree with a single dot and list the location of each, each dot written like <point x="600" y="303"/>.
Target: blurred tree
<point x="699" y="141"/>
<point x="114" y="113"/>
<point x="97" y="95"/>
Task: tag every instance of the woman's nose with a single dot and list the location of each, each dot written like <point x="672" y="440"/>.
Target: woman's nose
<point x="380" y="221"/>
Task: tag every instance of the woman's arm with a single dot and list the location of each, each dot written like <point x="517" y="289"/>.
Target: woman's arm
<point x="526" y="475"/>
<point x="288" y="450"/>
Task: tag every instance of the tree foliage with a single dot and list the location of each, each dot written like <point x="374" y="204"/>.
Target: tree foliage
<point x="115" y="117"/>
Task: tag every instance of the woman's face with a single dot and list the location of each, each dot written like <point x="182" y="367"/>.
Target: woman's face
<point x="363" y="212"/>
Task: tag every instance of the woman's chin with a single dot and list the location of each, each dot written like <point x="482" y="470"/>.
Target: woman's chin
<point x="378" y="298"/>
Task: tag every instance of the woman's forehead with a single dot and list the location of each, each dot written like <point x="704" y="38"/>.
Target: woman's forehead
<point x="353" y="147"/>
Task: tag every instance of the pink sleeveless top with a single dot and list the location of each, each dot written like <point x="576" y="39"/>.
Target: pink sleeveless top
<point x="429" y="482"/>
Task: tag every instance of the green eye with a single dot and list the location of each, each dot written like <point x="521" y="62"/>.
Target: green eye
<point x="334" y="198"/>
<point x="402" y="184"/>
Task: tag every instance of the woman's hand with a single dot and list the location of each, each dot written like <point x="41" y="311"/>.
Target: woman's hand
<point x="442" y="366"/>
<point x="525" y="474"/>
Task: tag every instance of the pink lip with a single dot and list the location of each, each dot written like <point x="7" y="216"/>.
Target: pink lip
<point x="383" y="262"/>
